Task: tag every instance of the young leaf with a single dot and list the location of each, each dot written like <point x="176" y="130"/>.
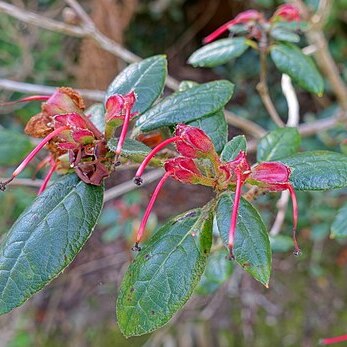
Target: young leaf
<point x="278" y="144"/>
<point x="183" y="107"/>
<point x="217" y="272"/>
<point x="218" y="52"/>
<point x="339" y="226"/>
<point x="164" y="274"/>
<point x="46" y="238"/>
<point x="282" y="34"/>
<point x="290" y="60"/>
<point x="252" y="248"/>
<point x="96" y="114"/>
<point x="131" y="149"/>
<point x="216" y="127"/>
<point x="146" y="78"/>
<point x="233" y="148"/>
<point x="13" y="147"/>
<point x="317" y="170"/>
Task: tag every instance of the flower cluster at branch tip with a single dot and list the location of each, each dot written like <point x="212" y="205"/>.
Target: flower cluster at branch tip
<point x="253" y="20"/>
<point x="72" y="139"/>
<point x="199" y="163"/>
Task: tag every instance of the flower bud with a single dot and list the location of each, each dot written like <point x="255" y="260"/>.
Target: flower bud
<point x="192" y="142"/>
<point x="238" y="166"/>
<point x="183" y="170"/>
<point x="286" y="13"/>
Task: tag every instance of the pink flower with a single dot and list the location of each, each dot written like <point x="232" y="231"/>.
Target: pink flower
<point x="286" y="13"/>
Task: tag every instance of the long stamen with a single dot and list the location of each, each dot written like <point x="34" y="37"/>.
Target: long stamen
<point x="297" y="250"/>
<point x="123" y="134"/>
<point x="142" y="227"/>
<point x="234" y="214"/>
<point x="31" y="155"/>
<point x="47" y="178"/>
<point x="27" y="99"/>
<point x="155" y="150"/>
<point x="218" y="32"/>
<point x="331" y="340"/>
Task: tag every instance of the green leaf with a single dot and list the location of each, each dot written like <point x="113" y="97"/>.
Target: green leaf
<point x="46" y="238"/>
<point x="233" y="148"/>
<point x="317" y="170"/>
<point x="146" y="78"/>
<point x="131" y="149"/>
<point x="186" y="84"/>
<point x="252" y="248"/>
<point x="290" y="60"/>
<point x="13" y="147"/>
<point x="218" y="270"/>
<point x="164" y="274"/>
<point x="96" y="114"/>
<point x="278" y="144"/>
<point x="281" y="243"/>
<point x="182" y="107"/>
<point x="219" y="52"/>
<point x="281" y="34"/>
<point x="216" y="127"/>
<point x="339" y="226"/>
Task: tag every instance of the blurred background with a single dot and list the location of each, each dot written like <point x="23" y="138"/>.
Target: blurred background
<point x="307" y="298"/>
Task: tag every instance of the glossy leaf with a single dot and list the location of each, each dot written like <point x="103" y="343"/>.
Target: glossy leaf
<point x="339" y="226"/>
<point x="189" y="105"/>
<point x="96" y="114"/>
<point x="131" y="149"/>
<point x="146" y="78"/>
<point x="252" y="248"/>
<point x="290" y="60"/>
<point x="278" y="144"/>
<point x="233" y="148"/>
<point x="46" y="238"/>
<point x="219" y="52"/>
<point x="14" y="146"/>
<point x="217" y="272"/>
<point x="282" y="34"/>
<point x="164" y="274"/>
<point x="216" y="127"/>
<point x="317" y="170"/>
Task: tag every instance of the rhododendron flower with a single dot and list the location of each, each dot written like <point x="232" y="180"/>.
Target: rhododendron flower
<point x="286" y="13"/>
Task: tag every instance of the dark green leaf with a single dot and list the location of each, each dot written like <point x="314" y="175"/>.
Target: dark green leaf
<point x="278" y="144"/>
<point x="339" y="226"/>
<point x="131" y="149"/>
<point x="184" y="85"/>
<point x="218" y="270"/>
<point x="164" y="274"/>
<point x="13" y="147"/>
<point x="97" y="116"/>
<point x="233" y="148"/>
<point x="317" y="170"/>
<point x="219" y="52"/>
<point x="290" y="60"/>
<point x="46" y="238"/>
<point x="282" y="34"/>
<point x="146" y="78"/>
<point x="182" y="107"/>
<point x="252" y="246"/>
<point x="216" y="127"/>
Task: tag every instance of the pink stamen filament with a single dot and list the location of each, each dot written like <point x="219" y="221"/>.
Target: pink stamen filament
<point x="149" y="208"/>
<point x="331" y="340"/>
<point x="297" y="250"/>
<point x="47" y="178"/>
<point x="123" y="132"/>
<point x="218" y="32"/>
<point x="148" y="158"/>
<point x="32" y="154"/>
<point x="27" y="99"/>
<point x="234" y="215"/>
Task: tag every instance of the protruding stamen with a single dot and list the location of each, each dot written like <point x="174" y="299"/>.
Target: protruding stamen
<point x="331" y="340"/>
<point x="27" y="99"/>
<point x="138" y="180"/>
<point x="123" y="132"/>
<point x="136" y="247"/>
<point x="297" y="250"/>
<point x="218" y="32"/>
<point x="235" y="212"/>
<point x="47" y="178"/>
<point x="32" y="154"/>
<point x="150" y="206"/>
<point x="154" y="151"/>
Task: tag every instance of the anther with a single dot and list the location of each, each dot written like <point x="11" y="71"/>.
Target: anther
<point x="136" y="247"/>
<point x="138" y="180"/>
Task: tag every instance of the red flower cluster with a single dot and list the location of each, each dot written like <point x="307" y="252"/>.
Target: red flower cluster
<point x="252" y="18"/>
<point x="195" y="147"/>
<point x="72" y="138"/>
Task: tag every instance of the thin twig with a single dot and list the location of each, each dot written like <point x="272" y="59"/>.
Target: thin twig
<point x="128" y="186"/>
<point x="24" y="182"/>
